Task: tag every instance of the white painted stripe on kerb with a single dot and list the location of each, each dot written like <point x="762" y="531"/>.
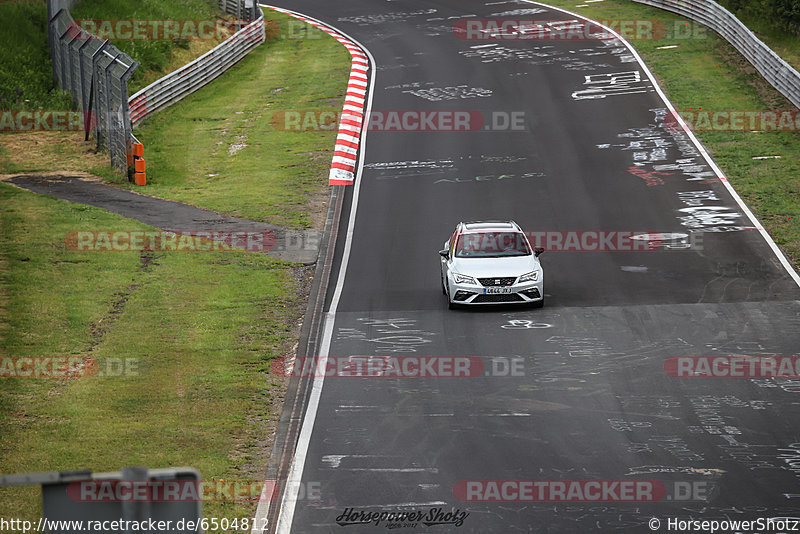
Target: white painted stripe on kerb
<point x="347" y="150"/>
<point x="775" y="249"/>
<point x="340" y="174"/>
<point x="344" y="137"/>
<point x="350" y="128"/>
<point x="344" y="161"/>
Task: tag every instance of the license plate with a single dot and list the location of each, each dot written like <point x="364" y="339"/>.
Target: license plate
<point x="496" y="290"/>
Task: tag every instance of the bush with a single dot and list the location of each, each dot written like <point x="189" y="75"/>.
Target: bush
<point x="153" y="55"/>
<point x="783" y="15"/>
<point x="26" y="72"/>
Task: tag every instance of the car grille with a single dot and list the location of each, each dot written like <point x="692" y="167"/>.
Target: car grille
<point x="509" y="297"/>
<point x="497" y="281"/>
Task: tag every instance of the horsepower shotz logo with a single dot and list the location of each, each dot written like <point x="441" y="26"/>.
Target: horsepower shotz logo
<point x="403" y="518"/>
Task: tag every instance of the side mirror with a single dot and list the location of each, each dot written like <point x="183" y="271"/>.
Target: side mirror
<point x="537" y="251"/>
<point x="444" y="253"/>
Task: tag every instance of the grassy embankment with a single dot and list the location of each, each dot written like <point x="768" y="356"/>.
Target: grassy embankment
<point x="202" y="327"/>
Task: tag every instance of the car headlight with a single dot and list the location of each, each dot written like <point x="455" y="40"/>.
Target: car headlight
<point x="529" y="277"/>
<point x="463" y="279"/>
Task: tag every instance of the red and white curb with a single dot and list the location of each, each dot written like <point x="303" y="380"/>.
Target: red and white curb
<point x="351" y="131"/>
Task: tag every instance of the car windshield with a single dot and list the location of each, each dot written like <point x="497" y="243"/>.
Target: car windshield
<point x="492" y="245"/>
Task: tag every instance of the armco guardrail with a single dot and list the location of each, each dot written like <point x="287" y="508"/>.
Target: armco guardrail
<point x="96" y="74"/>
<point x="774" y="69"/>
<point x="192" y="76"/>
<point x="242" y="9"/>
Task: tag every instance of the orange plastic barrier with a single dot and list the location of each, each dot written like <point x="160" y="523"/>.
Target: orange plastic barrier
<point x="137" y="155"/>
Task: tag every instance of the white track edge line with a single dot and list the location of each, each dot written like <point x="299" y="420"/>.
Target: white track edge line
<point x="286" y="511"/>
<point x="768" y="238"/>
<point x="284" y="521"/>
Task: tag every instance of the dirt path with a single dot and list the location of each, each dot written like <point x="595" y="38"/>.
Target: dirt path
<point x="293" y="245"/>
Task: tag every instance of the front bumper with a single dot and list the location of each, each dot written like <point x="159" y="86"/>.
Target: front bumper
<point x="526" y="292"/>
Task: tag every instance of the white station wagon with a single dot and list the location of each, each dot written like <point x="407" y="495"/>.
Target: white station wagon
<point x="491" y="262"/>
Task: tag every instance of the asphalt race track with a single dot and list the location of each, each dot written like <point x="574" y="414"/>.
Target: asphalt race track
<point x="590" y="399"/>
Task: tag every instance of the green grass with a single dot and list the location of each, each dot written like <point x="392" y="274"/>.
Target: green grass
<point x="26" y="75"/>
<point x="706" y="72"/>
<point x="24" y="152"/>
<point x="188" y="145"/>
<point x="155" y="56"/>
<point x="202" y="327"/>
<point x="768" y="28"/>
<point x="784" y="44"/>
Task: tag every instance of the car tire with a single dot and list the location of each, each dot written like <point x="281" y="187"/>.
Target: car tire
<point x="450" y="304"/>
<point x="441" y="277"/>
<point x="538" y="303"/>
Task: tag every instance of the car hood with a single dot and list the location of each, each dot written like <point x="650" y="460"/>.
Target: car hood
<point x="486" y="267"/>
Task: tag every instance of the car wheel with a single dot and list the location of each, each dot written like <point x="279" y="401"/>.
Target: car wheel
<point x="441" y="277"/>
<point x="538" y="303"/>
<point x="450" y="304"/>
